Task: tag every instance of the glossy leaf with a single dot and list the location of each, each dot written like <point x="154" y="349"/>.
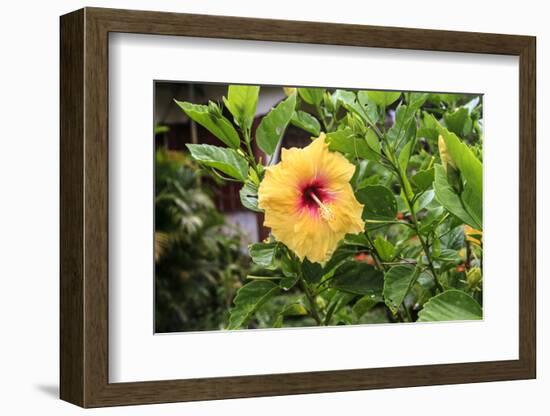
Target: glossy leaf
<point x="405" y="154"/>
<point x="459" y="121"/>
<point x="307" y="122"/>
<point x="451" y="305"/>
<point x="263" y="254"/>
<point x="312" y="272"/>
<point x="288" y="281"/>
<point x="311" y="96"/>
<point x="249" y="299"/>
<point x="448" y="256"/>
<point x="373" y="142"/>
<point x="384" y="248"/>
<point x="363" y="305"/>
<point x="467" y="163"/>
<point x="448" y="197"/>
<point x="345" y="141"/>
<point x="471" y="171"/>
<point x="383" y="98"/>
<point x="397" y="283"/>
<point x="241" y="102"/>
<point x="404" y="128"/>
<point x="379" y="202"/>
<point x="223" y="159"/>
<point x="338" y="301"/>
<point x="213" y="121"/>
<point x="349" y="101"/>
<point x="423" y="179"/>
<point x="358" y="278"/>
<point x="273" y="125"/>
<point x="249" y="196"/>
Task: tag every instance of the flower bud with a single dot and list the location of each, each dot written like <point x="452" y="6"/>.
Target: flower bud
<point x="289" y="91"/>
<point x="473" y="277"/>
<point x="444" y="154"/>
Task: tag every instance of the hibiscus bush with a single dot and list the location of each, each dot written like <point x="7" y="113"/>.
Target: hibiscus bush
<point x="378" y="219"/>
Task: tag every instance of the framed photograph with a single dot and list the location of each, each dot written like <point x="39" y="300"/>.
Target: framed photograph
<point x="260" y="207"/>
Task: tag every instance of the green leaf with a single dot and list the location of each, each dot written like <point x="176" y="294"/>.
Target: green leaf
<point x="454" y="238"/>
<point x="373" y="142"/>
<point x="294" y="309"/>
<point x="249" y="299"/>
<point x="359" y="279"/>
<point x="344" y="97"/>
<point x="241" y="102"/>
<point x="249" y="196"/>
<point x="404" y="127"/>
<point x="428" y="127"/>
<point x="273" y="125"/>
<point x="459" y="121"/>
<point x="473" y="203"/>
<point x="448" y="256"/>
<point x="417" y="99"/>
<point x="383" y="98"/>
<point x="405" y="154"/>
<point x="369" y="107"/>
<point x="379" y="202"/>
<point x="343" y="252"/>
<point x="471" y="169"/>
<point x="359" y="240"/>
<point x="469" y="165"/>
<point x="311" y="96"/>
<point x="423" y="179"/>
<point x="397" y="283"/>
<point x="348" y="100"/>
<point x="213" y="121"/>
<point x="263" y="254"/>
<point x="447" y="197"/>
<point x="385" y="249"/>
<point x="363" y="305"/>
<point x="424" y="200"/>
<point x="307" y="122"/>
<point x="225" y="160"/>
<point x="345" y="141"/>
<point x="451" y="305"/>
<point x="288" y="281"/>
<point x="337" y="302"/>
<point x="312" y="272"/>
<point x="289" y="267"/>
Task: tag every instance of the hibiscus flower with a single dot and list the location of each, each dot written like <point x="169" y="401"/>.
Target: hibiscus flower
<point x="308" y="201"/>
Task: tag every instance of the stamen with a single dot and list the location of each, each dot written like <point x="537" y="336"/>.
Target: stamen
<point x="326" y="213"/>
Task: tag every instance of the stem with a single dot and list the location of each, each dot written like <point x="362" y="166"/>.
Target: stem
<point x="410" y="205"/>
<point x="376" y="257"/>
<point x="408" y="313"/>
<point x="246" y="135"/>
<point x="389" y="222"/>
<point x="374" y="126"/>
<point x="311" y="300"/>
<point x="322" y="117"/>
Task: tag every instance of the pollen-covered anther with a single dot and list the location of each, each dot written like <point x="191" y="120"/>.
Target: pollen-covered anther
<point x="324" y="210"/>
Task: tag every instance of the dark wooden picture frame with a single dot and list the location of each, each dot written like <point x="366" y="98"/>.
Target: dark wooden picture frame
<point x="84" y="207"/>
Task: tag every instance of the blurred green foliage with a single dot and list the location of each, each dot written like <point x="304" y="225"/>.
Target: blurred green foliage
<point x="198" y="260"/>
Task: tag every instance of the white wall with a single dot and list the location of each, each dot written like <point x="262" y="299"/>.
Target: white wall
<point x="29" y="207"/>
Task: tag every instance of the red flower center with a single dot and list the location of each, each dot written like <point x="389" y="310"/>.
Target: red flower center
<point x="313" y="194"/>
